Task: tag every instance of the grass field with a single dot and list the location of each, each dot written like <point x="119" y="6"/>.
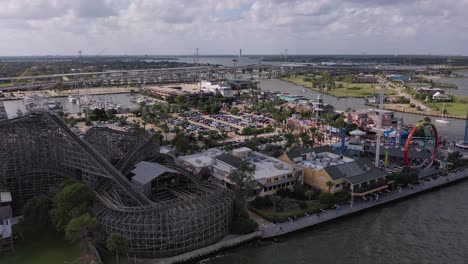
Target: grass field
<point x="50" y="248"/>
<point x="358" y="90"/>
<point x="453" y="108"/>
<point x="349" y="89"/>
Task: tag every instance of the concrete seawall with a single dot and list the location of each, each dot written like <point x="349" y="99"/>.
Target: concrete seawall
<point x="274" y="230"/>
<point x="196" y="254"/>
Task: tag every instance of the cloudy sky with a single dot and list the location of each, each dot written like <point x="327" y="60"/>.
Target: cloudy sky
<point x="42" y="27"/>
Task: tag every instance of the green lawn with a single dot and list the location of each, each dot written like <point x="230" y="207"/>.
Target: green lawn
<point x="453" y="108"/>
<point x="298" y="79"/>
<point x="349" y="89"/>
<point x="358" y="90"/>
<point x="50" y="248"/>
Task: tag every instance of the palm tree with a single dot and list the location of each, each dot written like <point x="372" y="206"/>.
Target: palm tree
<point x="309" y="193"/>
<point x="118" y="244"/>
<point x="330" y="185"/>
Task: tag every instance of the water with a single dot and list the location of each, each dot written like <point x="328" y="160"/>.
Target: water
<point x="427" y="228"/>
<point x="455" y="130"/>
<point x="12" y="107"/>
<point x="462" y="84"/>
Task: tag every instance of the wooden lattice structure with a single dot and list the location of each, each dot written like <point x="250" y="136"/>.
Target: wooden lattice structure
<point x="38" y="151"/>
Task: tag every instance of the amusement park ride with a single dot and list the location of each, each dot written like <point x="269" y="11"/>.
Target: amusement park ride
<point x="430" y="136"/>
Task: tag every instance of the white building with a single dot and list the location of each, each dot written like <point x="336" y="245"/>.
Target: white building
<point x="214" y="87"/>
<point x="270" y="174"/>
<point x="439" y="97"/>
<point x="200" y="163"/>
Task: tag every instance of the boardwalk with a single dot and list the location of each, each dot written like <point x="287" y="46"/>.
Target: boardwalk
<point x="192" y="255"/>
<point x="273" y="230"/>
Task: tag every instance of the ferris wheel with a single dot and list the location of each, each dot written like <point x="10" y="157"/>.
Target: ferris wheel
<point x="430" y="138"/>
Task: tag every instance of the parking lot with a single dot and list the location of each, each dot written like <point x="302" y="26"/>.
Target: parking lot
<point x="242" y="121"/>
<point x="213" y="123"/>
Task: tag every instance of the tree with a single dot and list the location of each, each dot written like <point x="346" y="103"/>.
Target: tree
<point x="329" y="185"/>
<point x="36" y="213"/>
<point x="235" y="111"/>
<point x="70" y="202"/>
<point x="118" y="244"/>
<point x="84" y="227"/>
<point x="242" y="180"/>
<point x="309" y="194"/>
<point x="274" y="200"/>
<point x="181" y="142"/>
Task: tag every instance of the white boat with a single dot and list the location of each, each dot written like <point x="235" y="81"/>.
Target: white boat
<point x="141" y="100"/>
<point x="443" y="120"/>
<point x="73" y="99"/>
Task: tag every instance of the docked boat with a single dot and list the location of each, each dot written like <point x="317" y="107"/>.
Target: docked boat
<point x="53" y="105"/>
<point x="73" y="99"/>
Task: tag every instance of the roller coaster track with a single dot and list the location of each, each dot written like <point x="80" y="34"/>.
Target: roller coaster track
<point x="137" y="196"/>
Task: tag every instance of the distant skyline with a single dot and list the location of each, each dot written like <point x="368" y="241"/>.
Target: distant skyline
<point x="177" y="27"/>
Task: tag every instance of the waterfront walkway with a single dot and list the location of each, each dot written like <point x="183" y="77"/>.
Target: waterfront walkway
<point x="273" y="230"/>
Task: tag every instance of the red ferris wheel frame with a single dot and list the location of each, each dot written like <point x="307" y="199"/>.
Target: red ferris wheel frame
<point x="410" y="136"/>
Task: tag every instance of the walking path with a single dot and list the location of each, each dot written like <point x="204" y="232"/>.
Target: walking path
<point x="192" y="255"/>
<point x="274" y="230"/>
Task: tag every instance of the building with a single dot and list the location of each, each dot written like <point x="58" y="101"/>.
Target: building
<point x="149" y="176"/>
<point x="398" y="78"/>
<point x="200" y="163"/>
<point x="440" y="97"/>
<point x="430" y="90"/>
<point x="270" y="174"/>
<point x="217" y="88"/>
<point x="192" y="92"/>
<point x="6" y="222"/>
<point x="318" y="107"/>
<point x="370" y="117"/>
<point x="366" y="78"/>
<point x="329" y="172"/>
<point x="237" y="84"/>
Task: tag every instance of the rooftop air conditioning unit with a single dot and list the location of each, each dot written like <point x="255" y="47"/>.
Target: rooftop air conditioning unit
<point x="198" y="161"/>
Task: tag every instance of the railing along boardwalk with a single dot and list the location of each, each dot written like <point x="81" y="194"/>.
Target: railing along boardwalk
<point x="195" y="254"/>
<point x="279" y="229"/>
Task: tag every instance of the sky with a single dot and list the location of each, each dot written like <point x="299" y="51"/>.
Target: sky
<point x="177" y="27"/>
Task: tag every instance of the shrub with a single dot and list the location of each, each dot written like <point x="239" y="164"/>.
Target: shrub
<point x="284" y="216"/>
<point x="261" y="202"/>
<point x="326" y="198"/>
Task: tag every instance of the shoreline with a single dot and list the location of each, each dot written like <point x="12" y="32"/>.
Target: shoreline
<point x="66" y="93"/>
<point x="290" y="228"/>
<point x="416" y="112"/>
<point x="386" y="107"/>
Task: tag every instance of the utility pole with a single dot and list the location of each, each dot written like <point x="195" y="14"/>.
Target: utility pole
<point x="379" y="127"/>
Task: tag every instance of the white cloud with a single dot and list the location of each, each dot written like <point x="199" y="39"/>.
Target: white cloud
<point x="221" y="27"/>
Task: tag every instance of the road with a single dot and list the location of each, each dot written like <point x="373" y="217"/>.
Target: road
<point x="400" y="90"/>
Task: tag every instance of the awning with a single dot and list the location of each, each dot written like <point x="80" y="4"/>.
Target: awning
<point x="357" y="132"/>
<point x="388" y="132"/>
